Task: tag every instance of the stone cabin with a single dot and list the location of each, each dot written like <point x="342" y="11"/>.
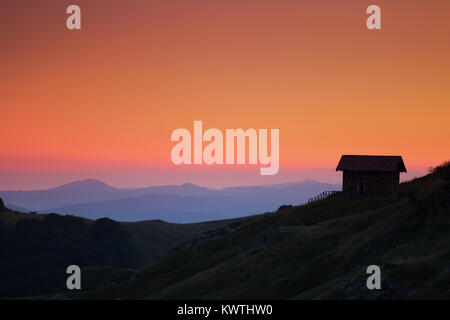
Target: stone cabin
<point x="370" y="175"/>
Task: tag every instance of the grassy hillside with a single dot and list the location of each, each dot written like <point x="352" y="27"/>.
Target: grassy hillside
<point x="316" y="251"/>
<point x="35" y="249"/>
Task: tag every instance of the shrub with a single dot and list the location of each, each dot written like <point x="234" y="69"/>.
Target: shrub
<point x="442" y="168"/>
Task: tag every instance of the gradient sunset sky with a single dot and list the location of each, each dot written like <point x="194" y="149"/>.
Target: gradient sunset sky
<point x="102" y="102"/>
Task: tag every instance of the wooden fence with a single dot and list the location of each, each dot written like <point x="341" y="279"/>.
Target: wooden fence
<point x="323" y="195"/>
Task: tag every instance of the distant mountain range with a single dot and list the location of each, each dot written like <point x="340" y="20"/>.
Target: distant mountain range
<point x="173" y="203"/>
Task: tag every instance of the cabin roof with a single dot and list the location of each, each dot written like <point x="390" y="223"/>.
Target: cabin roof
<point x="371" y="163"/>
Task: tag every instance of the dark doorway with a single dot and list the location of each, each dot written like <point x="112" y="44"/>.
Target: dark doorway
<point x="361" y="187"/>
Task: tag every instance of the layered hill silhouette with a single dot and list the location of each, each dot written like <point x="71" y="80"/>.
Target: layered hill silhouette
<point x="174" y="203"/>
<point x="315" y="251"/>
<point x="35" y="249"/>
<point x="89" y="191"/>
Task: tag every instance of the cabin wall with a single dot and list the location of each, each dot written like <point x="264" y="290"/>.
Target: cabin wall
<point x="375" y="183"/>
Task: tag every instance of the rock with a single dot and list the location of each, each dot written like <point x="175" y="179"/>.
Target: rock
<point x="281" y="280"/>
<point x="2" y="205"/>
<point x="444" y="272"/>
<point x="284" y="207"/>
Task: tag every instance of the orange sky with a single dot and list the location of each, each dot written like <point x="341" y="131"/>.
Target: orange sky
<point x="108" y="97"/>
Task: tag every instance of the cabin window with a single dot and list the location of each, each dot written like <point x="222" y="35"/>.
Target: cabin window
<point x="361" y="187"/>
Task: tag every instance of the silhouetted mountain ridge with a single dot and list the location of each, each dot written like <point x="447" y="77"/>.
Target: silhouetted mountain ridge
<point x="35" y="249"/>
<point x="315" y="251"/>
<point x="94" y="199"/>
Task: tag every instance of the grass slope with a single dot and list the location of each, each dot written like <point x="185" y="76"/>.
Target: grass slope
<point x="35" y="249"/>
<point x="316" y="251"/>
